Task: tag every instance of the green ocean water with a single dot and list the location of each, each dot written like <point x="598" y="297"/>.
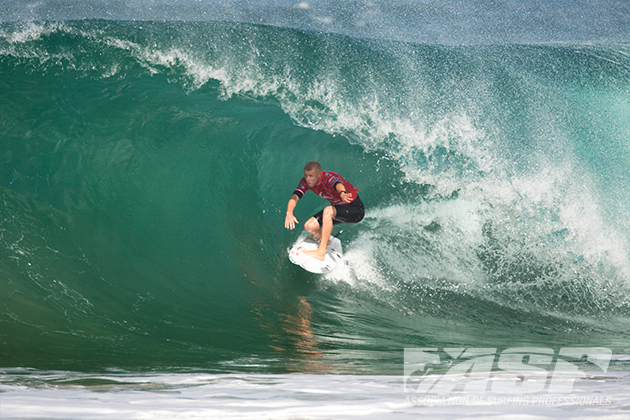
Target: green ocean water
<point x="145" y="169"/>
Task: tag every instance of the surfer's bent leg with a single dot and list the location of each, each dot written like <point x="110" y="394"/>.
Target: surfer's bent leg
<point x="340" y="213"/>
<point x="327" y="226"/>
<point x="313" y="227"/>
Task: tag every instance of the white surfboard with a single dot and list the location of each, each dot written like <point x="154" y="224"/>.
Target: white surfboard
<point x="304" y="243"/>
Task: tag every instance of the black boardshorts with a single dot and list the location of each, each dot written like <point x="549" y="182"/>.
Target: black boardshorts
<point x="346" y="213"/>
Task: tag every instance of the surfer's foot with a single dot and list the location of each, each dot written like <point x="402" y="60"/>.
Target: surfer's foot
<point x="316" y="253"/>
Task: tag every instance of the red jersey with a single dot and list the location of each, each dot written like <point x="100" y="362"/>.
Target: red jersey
<point x="326" y="188"/>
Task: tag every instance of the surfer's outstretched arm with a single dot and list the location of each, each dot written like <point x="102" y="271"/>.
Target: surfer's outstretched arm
<point x="290" y="221"/>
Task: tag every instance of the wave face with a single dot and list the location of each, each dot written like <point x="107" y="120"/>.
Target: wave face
<point x="146" y="166"/>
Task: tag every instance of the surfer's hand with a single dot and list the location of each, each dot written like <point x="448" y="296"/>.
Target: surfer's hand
<point x="290" y="221"/>
<point x="346" y="198"/>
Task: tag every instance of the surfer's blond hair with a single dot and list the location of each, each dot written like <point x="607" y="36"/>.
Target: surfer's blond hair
<point x="313" y="166"/>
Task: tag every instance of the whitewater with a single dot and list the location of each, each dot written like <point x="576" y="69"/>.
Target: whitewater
<point x="147" y="153"/>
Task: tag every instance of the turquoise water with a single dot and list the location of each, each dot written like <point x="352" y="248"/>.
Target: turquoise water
<point x="145" y="169"/>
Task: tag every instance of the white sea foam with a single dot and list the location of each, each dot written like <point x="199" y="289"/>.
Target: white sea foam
<point x="63" y="395"/>
<point x="30" y="31"/>
<point x="417" y="241"/>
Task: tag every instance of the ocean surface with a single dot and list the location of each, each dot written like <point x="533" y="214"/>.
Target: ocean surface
<point x="148" y="151"/>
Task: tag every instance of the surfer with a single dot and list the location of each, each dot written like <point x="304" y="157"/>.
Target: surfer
<point x="346" y="206"/>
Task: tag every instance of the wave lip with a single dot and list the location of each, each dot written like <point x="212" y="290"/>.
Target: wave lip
<point x="443" y="22"/>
